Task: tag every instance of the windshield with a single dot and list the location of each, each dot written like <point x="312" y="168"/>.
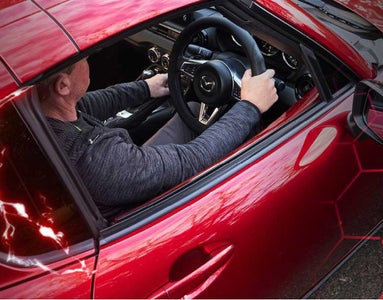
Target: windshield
<point x="354" y="29"/>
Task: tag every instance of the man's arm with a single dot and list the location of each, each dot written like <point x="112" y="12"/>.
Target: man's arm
<point x="120" y="173"/>
<point x="105" y="103"/>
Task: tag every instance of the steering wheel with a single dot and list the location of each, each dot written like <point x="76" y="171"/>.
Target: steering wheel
<point x="215" y="78"/>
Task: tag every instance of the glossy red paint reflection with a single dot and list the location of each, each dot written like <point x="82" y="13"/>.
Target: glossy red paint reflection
<point x="37" y="44"/>
<point x="11" y="11"/>
<point x="371" y="10"/>
<point x="55" y="281"/>
<point x="375" y="121"/>
<point x="297" y="17"/>
<point x="89" y="22"/>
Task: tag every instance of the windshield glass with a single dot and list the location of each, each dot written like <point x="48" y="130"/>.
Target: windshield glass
<point x="355" y="30"/>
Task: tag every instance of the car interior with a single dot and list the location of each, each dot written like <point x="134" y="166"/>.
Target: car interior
<point x="184" y="44"/>
<point x="165" y="48"/>
<point x="149" y="52"/>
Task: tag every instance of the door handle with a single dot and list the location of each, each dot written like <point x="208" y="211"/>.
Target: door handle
<point x="195" y="282"/>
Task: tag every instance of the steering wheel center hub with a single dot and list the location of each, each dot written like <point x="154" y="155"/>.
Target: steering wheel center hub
<point x="213" y="83"/>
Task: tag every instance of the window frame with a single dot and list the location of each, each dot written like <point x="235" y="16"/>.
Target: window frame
<point x="27" y="107"/>
<point x="190" y="190"/>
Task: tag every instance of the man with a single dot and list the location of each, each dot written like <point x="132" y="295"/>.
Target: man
<point x="120" y="174"/>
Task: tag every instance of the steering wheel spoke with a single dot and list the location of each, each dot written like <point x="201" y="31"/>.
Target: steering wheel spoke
<point x="189" y="67"/>
<point x="207" y="114"/>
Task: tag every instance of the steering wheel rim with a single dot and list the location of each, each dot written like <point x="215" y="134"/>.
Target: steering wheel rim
<point x="177" y="61"/>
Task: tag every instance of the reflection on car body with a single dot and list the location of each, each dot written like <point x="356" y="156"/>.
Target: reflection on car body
<point x="273" y="219"/>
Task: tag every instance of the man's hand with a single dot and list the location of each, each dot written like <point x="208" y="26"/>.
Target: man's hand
<point x="259" y="90"/>
<point x="158" y="85"/>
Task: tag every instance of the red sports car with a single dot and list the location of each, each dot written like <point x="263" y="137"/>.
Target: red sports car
<point x="274" y="218"/>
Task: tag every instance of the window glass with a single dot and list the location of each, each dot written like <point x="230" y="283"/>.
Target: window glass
<point x="37" y="212"/>
<point x="335" y="76"/>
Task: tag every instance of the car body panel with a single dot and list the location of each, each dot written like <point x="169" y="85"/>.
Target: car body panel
<point x="92" y="21"/>
<point x="297" y="17"/>
<point x="50" y="45"/>
<point x="284" y="200"/>
<point x="11" y="11"/>
<point x="271" y="229"/>
<point x="50" y="281"/>
<point x="372" y="11"/>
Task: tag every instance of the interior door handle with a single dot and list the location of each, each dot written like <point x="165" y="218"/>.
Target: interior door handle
<point x="195" y="282"/>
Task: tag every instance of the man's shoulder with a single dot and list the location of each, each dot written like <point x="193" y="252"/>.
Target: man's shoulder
<point x="72" y="136"/>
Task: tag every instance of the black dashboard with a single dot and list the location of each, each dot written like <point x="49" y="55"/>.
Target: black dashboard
<point x="158" y="41"/>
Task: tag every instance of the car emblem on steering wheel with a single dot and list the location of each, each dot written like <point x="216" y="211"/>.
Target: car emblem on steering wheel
<point x="207" y="84"/>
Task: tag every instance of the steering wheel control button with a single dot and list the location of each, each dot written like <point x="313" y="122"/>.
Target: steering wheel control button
<point x="236" y="91"/>
<point x="189" y="68"/>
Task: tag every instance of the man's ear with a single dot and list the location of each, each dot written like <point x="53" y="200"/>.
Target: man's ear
<point x="62" y="84"/>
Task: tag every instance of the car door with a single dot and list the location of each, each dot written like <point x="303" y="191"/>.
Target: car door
<point x="269" y="221"/>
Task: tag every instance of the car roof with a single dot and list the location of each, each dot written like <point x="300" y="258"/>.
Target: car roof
<point x="37" y="35"/>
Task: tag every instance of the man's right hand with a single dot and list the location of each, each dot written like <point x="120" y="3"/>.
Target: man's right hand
<point x="158" y="85"/>
<point x="260" y="89"/>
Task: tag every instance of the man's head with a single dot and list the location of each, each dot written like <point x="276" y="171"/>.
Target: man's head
<point x="60" y="92"/>
<point x="70" y="83"/>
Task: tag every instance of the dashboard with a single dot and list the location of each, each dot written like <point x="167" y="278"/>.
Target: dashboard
<point x="158" y="41"/>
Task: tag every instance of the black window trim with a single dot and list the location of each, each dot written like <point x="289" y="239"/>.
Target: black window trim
<point x="214" y="175"/>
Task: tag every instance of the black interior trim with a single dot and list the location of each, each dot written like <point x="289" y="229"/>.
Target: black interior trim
<point x="316" y="73"/>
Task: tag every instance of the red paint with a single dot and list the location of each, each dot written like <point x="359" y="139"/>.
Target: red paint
<point x="37" y="44"/>
<point x="297" y="17"/>
<point x="271" y="230"/>
<point x="89" y="22"/>
<point x="369" y="10"/>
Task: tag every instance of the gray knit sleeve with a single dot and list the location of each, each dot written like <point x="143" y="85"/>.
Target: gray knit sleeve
<point x="120" y="172"/>
<point x="105" y="103"/>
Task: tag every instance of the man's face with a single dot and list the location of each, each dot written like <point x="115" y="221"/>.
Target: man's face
<point x="80" y="78"/>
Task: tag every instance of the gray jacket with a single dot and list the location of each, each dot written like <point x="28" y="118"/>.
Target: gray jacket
<point x="120" y="174"/>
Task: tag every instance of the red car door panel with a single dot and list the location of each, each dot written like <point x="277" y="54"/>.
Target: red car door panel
<point x="51" y="281"/>
<point x="285" y="220"/>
